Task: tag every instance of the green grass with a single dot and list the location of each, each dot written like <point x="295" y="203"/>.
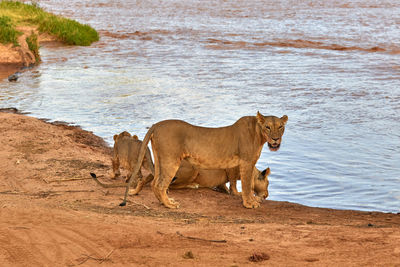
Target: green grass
<point x="66" y="30"/>
<point x="8" y="33"/>
<point x="33" y="44"/>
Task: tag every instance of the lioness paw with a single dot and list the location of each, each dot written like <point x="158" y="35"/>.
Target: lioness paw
<point x="251" y="204"/>
<point x="171" y="203"/>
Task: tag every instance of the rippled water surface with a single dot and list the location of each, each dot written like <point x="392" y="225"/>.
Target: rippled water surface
<point x="332" y="66"/>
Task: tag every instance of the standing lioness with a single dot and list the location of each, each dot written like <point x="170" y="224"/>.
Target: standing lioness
<point x="239" y="144"/>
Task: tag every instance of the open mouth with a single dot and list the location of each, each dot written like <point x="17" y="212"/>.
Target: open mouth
<point x="273" y="147"/>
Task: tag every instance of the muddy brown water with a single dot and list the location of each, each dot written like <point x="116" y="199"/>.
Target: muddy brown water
<point x="332" y="66"/>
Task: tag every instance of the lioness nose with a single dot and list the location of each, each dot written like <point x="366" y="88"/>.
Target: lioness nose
<point x="275" y="139"/>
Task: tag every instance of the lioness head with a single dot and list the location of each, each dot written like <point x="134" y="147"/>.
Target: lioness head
<point x="261" y="183"/>
<point x="272" y="129"/>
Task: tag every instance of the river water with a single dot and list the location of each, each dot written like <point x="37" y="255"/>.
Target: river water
<point x="332" y="66"/>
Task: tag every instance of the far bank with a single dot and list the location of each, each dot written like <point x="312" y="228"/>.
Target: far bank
<point x="23" y="27"/>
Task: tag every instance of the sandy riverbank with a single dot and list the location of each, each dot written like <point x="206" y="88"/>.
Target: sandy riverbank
<point x="52" y="213"/>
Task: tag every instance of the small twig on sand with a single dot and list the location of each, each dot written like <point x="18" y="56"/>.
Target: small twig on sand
<point x="108" y="255"/>
<point x="8" y="192"/>
<point x="75" y="191"/>
<point x="137" y="203"/>
<point x="197" y="238"/>
<point x="141" y="204"/>
<point x="44" y="193"/>
<point x="101" y="260"/>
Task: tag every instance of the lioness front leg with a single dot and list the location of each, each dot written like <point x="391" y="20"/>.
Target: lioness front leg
<point x="249" y="200"/>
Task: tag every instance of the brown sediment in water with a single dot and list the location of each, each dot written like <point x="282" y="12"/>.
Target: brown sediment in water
<point x="135" y="35"/>
<point x="225" y="44"/>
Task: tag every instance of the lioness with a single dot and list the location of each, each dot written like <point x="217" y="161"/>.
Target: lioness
<point x="125" y="155"/>
<point x="239" y="144"/>
<point x="188" y="176"/>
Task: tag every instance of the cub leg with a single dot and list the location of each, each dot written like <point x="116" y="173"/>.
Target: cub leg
<point x="141" y="182"/>
<point x="137" y="178"/>
<point x="115" y="166"/>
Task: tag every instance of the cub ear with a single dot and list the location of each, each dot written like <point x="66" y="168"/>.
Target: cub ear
<point x="135" y="137"/>
<point x="266" y="172"/>
<point x="260" y="118"/>
<point x="115" y="137"/>
<point x="284" y="118"/>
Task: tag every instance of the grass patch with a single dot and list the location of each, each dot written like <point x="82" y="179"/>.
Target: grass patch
<point x="33" y="44"/>
<point x="66" y="30"/>
<point x="8" y="33"/>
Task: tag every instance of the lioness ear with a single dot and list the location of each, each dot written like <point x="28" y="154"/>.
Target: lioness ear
<point x="135" y="137"/>
<point x="266" y="172"/>
<point x="284" y="118"/>
<point x="260" y="118"/>
<point x="115" y="137"/>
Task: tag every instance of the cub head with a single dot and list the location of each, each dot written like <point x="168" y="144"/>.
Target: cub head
<point x="272" y="129"/>
<point x="261" y="183"/>
<point x="121" y="135"/>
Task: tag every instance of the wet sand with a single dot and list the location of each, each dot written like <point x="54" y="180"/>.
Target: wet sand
<point x="52" y="213"/>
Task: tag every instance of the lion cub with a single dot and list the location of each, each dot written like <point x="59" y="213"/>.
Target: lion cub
<point x="188" y="176"/>
<point x="126" y="152"/>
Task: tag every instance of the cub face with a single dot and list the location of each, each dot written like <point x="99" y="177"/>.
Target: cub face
<point x="261" y="183"/>
<point x="272" y="129"/>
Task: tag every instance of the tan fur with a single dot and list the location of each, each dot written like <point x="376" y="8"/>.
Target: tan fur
<point x="239" y="144"/>
<point x="126" y="151"/>
<point x="125" y="155"/>
<point x="188" y="176"/>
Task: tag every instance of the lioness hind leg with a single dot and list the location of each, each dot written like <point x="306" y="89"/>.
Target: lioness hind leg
<point x="160" y="186"/>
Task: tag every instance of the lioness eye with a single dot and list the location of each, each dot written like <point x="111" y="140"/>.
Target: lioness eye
<point x="268" y="128"/>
